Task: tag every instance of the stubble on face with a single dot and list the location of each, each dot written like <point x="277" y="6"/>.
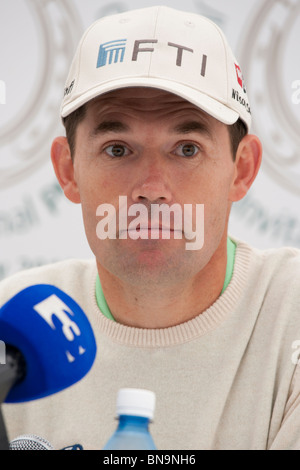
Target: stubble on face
<point x="148" y="114"/>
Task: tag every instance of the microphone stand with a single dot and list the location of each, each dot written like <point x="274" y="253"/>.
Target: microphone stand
<point x="10" y="372"/>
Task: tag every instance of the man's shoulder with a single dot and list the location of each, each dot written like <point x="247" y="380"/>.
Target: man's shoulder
<point x="277" y="266"/>
<point x="66" y="275"/>
<point x="281" y="255"/>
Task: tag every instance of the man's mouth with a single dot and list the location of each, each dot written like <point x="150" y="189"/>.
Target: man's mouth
<point x="154" y="231"/>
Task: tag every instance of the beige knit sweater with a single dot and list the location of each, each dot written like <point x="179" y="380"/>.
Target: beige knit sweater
<point x="228" y="379"/>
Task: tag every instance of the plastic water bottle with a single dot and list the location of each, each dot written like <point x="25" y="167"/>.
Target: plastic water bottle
<point x="135" y="410"/>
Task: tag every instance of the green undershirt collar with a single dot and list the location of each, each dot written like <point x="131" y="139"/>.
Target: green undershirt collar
<point x="101" y="300"/>
<point x="231" y="247"/>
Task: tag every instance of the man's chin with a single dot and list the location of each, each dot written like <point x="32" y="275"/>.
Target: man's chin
<point x="152" y="265"/>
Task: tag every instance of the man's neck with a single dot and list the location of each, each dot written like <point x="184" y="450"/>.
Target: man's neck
<point x="165" y="306"/>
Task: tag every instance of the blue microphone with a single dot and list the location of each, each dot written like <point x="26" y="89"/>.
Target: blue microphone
<point x="53" y="338"/>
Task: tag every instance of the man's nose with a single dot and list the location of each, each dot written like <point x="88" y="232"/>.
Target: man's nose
<point x="152" y="183"/>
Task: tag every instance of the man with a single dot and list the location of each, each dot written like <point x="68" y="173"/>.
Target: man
<point x="157" y="115"/>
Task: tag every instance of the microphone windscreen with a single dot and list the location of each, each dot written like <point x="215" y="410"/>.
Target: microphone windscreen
<point x="30" y="442"/>
<point x="54" y="336"/>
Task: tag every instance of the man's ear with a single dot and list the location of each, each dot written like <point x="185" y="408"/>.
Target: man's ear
<point x="247" y="163"/>
<point x="64" y="168"/>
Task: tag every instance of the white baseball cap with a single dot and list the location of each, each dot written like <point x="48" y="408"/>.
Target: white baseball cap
<point x="160" y="47"/>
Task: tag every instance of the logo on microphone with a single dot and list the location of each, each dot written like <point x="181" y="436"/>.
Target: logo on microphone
<point x="54" y="306"/>
<point x="2" y="353"/>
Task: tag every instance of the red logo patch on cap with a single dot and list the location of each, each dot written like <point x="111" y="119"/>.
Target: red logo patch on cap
<point x="239" y="75"/>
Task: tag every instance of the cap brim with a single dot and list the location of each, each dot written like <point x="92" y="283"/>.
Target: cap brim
<point x="208" y="104"/>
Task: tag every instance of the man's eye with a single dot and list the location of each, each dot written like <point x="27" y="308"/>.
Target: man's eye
<point x="117" y="150"/>
<point x="187" y="150"/>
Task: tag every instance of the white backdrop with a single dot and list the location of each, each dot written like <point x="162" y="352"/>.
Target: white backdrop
<point x="37" y="41"/>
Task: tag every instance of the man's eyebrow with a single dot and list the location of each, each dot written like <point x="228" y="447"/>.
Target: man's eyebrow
<point x="187" y="127"/>
<point x="109" y="126"/>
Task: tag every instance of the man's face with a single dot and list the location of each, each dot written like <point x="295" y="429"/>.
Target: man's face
<point x="153" y="147"/>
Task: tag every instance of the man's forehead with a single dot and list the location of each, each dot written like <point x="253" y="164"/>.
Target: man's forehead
<point x="143" y="99"/>
<point x="118" y="112"/>
<point x="139" y="92"/>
